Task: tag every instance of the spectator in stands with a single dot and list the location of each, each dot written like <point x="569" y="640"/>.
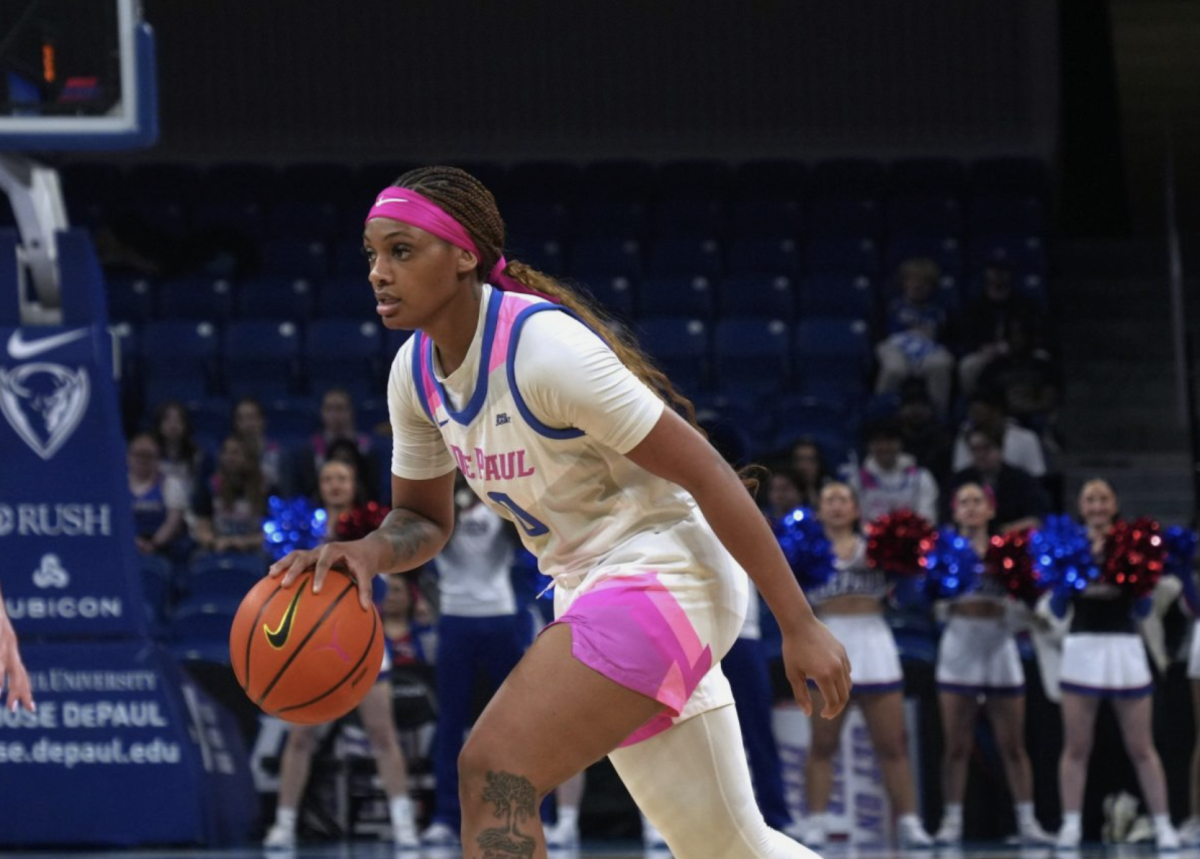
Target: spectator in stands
<point x="783" y="493"/>
<point x="890" y="479"/>
<point x="345" y="450"/>
<point x="851" y="605"/>
<point x="479" y="629"/>
<point x="230" y="506"/>
<point x="1103" y="657"/>
<point x="989" y="318"/>
<point x="406" y="635"/>
<point x="339" y="496"/>
<point x="922" y="434"/>
<point x="182" y="456"/>
<point x="978" y="666"/>
<point x="1021" y="447"/>
<point x="159" y="502"/>
<point x="810" y="470"/>
<point x="338" y="421"/>
<point x="1027" y="378"/>
<point x="1020" y="499"/>
<point x="250" y="425"/>
<point x="915" y="335"/>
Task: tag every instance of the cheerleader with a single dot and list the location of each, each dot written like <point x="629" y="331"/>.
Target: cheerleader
<point x="851" y="605"/>
<point x="978" y="665"/>
<point x="1104" y="659"/>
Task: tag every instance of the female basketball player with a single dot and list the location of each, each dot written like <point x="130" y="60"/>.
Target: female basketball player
<point x="1103" y="657"/>
<point x="978" y="664"/>
<point x="561" y="426"/>
<point x="338" y="485"/>
<point x="851" y="602"/>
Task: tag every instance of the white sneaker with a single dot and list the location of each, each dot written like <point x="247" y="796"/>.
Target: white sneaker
<point x="1068" y="838"/>
<point x="1189" y="831"/>
<point x="1032" y="835"/>
<point x="404" y="828"/>
<point x="439" y="835"/>
<point x="911" y="835"/>
<point x="1167" y="838"/>
<point x="562" y="836"/>
<point x="280" y="838"/>
<point x="950" y="832"/>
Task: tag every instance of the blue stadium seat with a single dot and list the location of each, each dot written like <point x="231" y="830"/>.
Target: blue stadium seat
<point x="547" y="256"/>
<point x="680" y="346"/>
<point x="179" y="359"/>
<point x="344" y="296"/>
<point x="212" y="419"/>
<point x="291" y="417"/>
<point x="195" y="297"/>
<point x="618" y="179"/>
<point x="608" y="219"/>
<point x="275" y="297"/>
<point x="937" y="177"/>
<point x="841" y="177"/>
<point x="261" y="357"/>
<point x="294" y="257"/>
<point x="779" y="179"/>
<point x="748" y="294"/>
<point x="199" y="628"/>
<point x="1011" y="176"/>
<point x="526" y="221"/>
<point x="946" y="251"/>
<point x="677" y="295"/>
<point x="779" y="219"/>
<point x="346" y="258"/>
<point x="845" y="216"/>
<point x="155" y="574"/>
<point x="800" y="415"/>
<point x="842" y="296"/>
<point x="993" y="214"/>
<point x="1026" y="253"/>
<point x="392" y="341"/>
<point x="606" y="257"/>
<point x="771" y="256"/>
<point x="835" y="352"/>
<point x="752" y="354"/>
<point x="685" y="257"/>
<point x="221" y="577"/>
<point x="304" y="219"/>
<point x="617" y="295"/>
<point x="337" y="351"/>
<point x="245" y="217"/>
<point x="694" y="180"/>
<point x="130" y="298"/>
<point x="683" y="218"/>
<point x="545" y="181"/>
<point x="925" y="215"/>
<point x="842" y="255"/>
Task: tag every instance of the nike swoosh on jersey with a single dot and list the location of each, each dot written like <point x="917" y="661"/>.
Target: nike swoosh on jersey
<point x="278" y="637"/>
<point x="20" y="349"/>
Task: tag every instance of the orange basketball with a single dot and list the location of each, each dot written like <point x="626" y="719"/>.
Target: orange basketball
<point x="305" y="657"/>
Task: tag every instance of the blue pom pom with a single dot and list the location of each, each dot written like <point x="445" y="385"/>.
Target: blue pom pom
<point x="1180" y="544"/>
<point x="1062" y="555"/>
<point x="952" y="568"/>
<point x="806" y="547"/>
<point x="293" y="524"/>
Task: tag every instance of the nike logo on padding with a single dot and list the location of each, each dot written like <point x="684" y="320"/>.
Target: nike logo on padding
<point x="19" y="348"/>
<point x="278" y="637"/>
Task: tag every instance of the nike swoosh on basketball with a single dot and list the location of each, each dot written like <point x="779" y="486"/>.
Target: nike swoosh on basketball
<point x="19" y="348"/>
<point x="278" y="637"/>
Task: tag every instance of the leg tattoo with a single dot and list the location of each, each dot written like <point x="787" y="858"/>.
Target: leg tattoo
<point x="515" y="801"/>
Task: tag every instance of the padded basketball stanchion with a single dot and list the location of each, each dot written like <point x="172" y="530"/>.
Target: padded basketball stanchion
<point x="35" y="193"/>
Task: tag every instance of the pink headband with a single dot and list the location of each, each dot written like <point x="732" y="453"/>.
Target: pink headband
<point x="409" y="207"/>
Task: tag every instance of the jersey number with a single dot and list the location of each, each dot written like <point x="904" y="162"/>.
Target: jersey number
<point x="532" y="526"/>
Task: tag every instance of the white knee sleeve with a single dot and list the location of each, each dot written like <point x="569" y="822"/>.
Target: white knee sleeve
<point x="693" y="782"/>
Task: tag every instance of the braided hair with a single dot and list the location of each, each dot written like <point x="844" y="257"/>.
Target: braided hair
<point x="470" y="203"/>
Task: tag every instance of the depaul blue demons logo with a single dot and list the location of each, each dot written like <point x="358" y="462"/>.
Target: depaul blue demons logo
<point x="44" y="403"/>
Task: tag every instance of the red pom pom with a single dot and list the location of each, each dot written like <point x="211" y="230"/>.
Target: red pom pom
<point x="360" y="521"/>
<point x="1133" y="556"/>
<point x="1009" y="560"/>
<point x="897" y="543"/>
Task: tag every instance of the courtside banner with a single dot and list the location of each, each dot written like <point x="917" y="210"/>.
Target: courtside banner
<point x="123" y="749"/>
<point x="68" y="564"/>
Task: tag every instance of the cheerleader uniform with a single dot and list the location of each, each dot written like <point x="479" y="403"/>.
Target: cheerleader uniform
<point x="978" y="655"/>
<point x="1103" y="654"/>
<point x="874" y="659"/>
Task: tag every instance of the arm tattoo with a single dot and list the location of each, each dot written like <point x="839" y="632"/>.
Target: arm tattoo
<point x="514" y="801"/>
<point x="407" y="534"/>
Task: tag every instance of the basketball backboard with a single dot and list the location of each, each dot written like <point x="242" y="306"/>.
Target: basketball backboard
<point x="76" y="75"/>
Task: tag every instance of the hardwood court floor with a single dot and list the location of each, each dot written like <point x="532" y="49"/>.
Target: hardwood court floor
<point x="597" y="850"/>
